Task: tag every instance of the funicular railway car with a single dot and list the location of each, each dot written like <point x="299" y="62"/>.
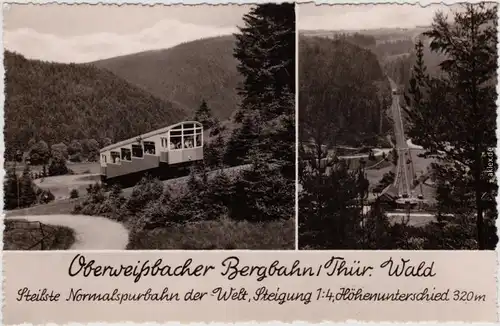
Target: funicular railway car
<point x="164" y="153"/>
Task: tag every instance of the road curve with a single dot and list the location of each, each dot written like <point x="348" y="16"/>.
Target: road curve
<point x="91" y="232"/>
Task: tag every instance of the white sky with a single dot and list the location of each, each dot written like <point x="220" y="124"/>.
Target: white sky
<point x="83" y="33"/>
<point x="366" y="16"/>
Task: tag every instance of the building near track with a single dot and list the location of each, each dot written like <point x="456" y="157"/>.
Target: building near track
<point x="162" y="153"/>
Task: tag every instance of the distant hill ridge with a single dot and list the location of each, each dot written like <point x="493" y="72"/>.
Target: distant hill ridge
<point x="186" y="74"/>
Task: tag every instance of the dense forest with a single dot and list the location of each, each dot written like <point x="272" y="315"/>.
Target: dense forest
<point x="58" y="103"/>
<point x="185" y="74"/>
<point x="344" y="95"/>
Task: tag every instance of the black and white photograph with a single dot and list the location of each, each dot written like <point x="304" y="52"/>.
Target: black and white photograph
<point x="149" y="127"/>
<point x="397" y="121"/>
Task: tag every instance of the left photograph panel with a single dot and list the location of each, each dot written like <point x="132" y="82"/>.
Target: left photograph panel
<point x="149" y="127"/>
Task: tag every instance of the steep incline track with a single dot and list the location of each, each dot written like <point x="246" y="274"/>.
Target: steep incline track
<point x="404" y="174"/>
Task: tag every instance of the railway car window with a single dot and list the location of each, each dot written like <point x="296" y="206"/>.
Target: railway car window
<point x="176" y="133"/>
<point x="115" y="157"/>
<point x="188" y="125"/>
<point x="189" y="132"/>
<point x="137" y="151"/>
<point x="179" y="127"/>
<point x="175" y="142"/>
<point x="126" y="154"/>
<point x="150" y="147"/>
<point x="198" y="141"/>
<point x="188" y="142"/>
<point x="103" y="157"/>
<point x="175" y="139"/>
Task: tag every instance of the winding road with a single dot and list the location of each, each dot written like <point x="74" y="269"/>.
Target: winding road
<point x="91" y="232"/>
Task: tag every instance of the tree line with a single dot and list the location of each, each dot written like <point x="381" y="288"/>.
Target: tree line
<point x="61" y="103"/>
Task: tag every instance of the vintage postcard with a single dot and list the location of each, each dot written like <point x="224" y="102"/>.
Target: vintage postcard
<point x="157" y="169"/>
<point x="153" y="127"/>
<point x="397" y="126"/>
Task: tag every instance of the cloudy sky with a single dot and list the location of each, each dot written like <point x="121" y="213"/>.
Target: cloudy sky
<point x="367" y="16"/>
<point x="84" y="33"/>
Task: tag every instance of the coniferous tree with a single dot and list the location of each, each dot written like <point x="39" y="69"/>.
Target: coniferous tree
<point x="11" y="189"/>
<point x="27" y="189"/>
<point x="242" y="141"/>
<point x="221" y="191"/>
<point x="460" y="102"/>
<point x="330" y="212"/>
<point x="265" y="48"/>
<point x="262" y="193"/>
<point x="217" y="128"/>
<point x="376" y="230"/>
<point x="204" y="115"/>
<point x="214" y="152"/>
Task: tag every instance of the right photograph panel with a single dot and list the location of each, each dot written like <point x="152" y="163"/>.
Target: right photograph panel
<point x="397" y="120"/>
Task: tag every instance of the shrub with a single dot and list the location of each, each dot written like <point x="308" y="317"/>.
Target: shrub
<point x="44" y="196"/>
<point x="73" y="193"/>
<point x="75" y="158"/>
<point x="146" y="191"/>
<point x="58" y="166"/>
<point x="262" y="194"/>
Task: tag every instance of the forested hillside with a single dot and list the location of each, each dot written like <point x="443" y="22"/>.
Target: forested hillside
<point x="395" y="50"/>
<point x="61" y="102"/>
<point x="186" y="74"/>
<point x="344" y="93"/>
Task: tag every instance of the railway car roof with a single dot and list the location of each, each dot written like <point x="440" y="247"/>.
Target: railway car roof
<point x="146" y="135"/>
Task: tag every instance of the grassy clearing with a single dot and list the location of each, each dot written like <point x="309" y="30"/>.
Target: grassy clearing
<point x="218" y="234"/>
<point x="23" y="235"/>
<point x="374" y="176"/>
<point x="77" y="168"/>
<point x="61" y="186"/>
<point x="420" y="164"/>
<point x="65" y="206"/>
<point x="379" y="163"/>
